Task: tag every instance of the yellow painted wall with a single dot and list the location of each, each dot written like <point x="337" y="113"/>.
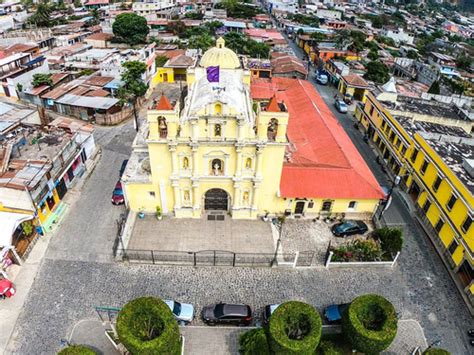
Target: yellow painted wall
<point x="46" y="212"/>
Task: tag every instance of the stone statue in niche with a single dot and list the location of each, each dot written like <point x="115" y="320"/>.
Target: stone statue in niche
<point x="216" y="169"/>
<point x="185" y="163"/>
<point x="187" y="197"/>
<point x="248" y="164"/>
<point x="246" y="198"/>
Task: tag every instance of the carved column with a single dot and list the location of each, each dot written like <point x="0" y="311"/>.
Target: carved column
<point x="237" y="196"/>
<point x="240" y="130"/>
<point x="177" y="197"/>
<point x="194" y="130"/>
<point x="256" y="195"/>
<point x="195" y="148"/>
<point x="174" y="159"/>
<point x="238" y="163"/>
<point x="259" y="163"/>
<point x="196" y="197"/>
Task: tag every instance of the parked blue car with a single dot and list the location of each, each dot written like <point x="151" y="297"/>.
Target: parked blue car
<point x="334" y="312"/>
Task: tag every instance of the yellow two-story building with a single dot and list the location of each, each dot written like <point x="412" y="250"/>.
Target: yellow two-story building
<point x="247" y="149"/>
<point x="435" y="160"/>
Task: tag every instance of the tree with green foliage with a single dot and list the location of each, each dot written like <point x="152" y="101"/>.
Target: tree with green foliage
<point x="133" y="87"/>
<point x="147" y="326"/>
<point x="391" y="239"/>
<point x="377" y="22"/>
<point x="77" y="350"/>
<point x="178" y="28"/>
<point x="194" y="15"/>
<point x="257" y="49"/>
<point x="412" y="54"/>
<point x="160" y="60"/>
<point x="327" y="347"/>
<point x="464" y="62"/>
<point x="254" y="342"/>
<point x="203" y="42"/>
<point x="42" y="16"/>
<point x="294" y="328"/>
<point x="370" y="324"/>
<point x="318" y="36"/>
<point x="386" y="40"/>
<point x="95" y="14"/>
<point x="41" y="79"/>
<point x="130" y="28"/>
<point x="373" y="55"/>
<point x="434" y="88"/>
<point x="235" y="9"/>
<point x="377" y="72"/>
<point x="77" y="4"/>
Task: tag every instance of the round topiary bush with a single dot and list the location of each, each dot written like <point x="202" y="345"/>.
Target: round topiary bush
<point x="327" y="347"/>
<point x="254" y="342"/>
<point x="77" y="350"/>
<point x="370" y="323"/>
<point x="294" y="328"/>
<point x="147" y="326"/>
<point x="436" y="351"/>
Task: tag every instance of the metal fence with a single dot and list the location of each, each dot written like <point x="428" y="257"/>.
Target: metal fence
<point x="218" y="258"/>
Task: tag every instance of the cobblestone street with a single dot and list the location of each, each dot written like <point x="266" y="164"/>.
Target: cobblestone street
<point x="78" y="273"/>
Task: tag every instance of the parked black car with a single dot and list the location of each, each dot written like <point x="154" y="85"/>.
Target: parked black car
<point x="224" y="313"/>
<point x="347" y="228"/>
<point x="122" y="168"/>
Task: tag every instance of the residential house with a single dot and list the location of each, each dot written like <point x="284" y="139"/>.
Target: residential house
<point x="398" y="35"/>
<point x="354" y="86"/>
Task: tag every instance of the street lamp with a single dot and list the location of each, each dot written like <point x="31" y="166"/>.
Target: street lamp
<point x="396" y="181"/>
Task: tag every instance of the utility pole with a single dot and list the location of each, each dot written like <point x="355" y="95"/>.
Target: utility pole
<point x="396" y="181"/>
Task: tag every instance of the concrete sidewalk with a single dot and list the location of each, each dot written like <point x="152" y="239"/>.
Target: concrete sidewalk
<point x="11" y="308"/>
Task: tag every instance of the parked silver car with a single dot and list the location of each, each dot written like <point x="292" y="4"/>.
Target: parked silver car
<point x="183" y="312"/>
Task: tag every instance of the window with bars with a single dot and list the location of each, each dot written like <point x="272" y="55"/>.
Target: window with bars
<point x="326" y="206"/>
<point x="426" y="206"/>
<point x="424" y="167"/>
<point x="414" y="155"/>
<point x="404" y="150"/>
<point x="467" y="224"/>
<point x="453" y="246"/>
<point x="439" y="225"/>
<point x="451" y="202"/>
<point x="437" y="183"/>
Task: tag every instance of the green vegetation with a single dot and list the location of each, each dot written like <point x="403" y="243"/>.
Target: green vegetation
<point x="358" y="250"/>
<point x="204" y="42"/>
<point x="241" y="44"/>
<point x="194" y="15"/>
<point x="370" y="324"/>
<point x="373" y="55"/>
<point x="464" y="62"/>
<point x="147" y="326"/>
<point x="86" y="72"/>
<point x="235" y="9"/>
<point x="412" y="54"/>
<point x="133" y="87"/>
<point x="391" y="239"/>
<point x="41" y="79"/>
<point x="307" y="20"/>
<point x="130" y="28"/>
<point x="434" y="88"/>
<point x="328" y="347"/>
<point x="386" y="40"/>
<point x="42" y="16"/>
<point x="377" y="72"/>
<point x="77" y="350"/>
<point x="254" y="342"/>
<point x="318" y="36"/>
<point x="436" y="351"/>
<point x="294" y="328"/>
<point x="160" y="60"/>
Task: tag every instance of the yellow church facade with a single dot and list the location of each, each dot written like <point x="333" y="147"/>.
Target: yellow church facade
<point x="217" y="149"/>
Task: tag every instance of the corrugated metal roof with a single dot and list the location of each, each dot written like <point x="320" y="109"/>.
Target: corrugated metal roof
<point x="86" y="101"/>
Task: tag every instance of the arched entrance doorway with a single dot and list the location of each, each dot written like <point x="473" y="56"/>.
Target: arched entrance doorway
<point x="216" y="199"/>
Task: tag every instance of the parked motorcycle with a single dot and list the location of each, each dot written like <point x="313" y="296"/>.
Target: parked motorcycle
<point x="6" y="289"/>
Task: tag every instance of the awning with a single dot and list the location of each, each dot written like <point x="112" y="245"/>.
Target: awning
<point x="9" y="222"/>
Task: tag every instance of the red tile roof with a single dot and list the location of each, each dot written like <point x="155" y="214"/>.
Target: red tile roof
<point x="100" y="36"/>
<point x="355" y="80"/>
<point x="164" y="104"/>
<point x="323" y="162"/>
<point x="273" y="105"/>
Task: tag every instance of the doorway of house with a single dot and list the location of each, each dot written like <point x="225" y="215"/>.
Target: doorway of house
<point x="216" y="199"/>
<point x="299" y="207"/>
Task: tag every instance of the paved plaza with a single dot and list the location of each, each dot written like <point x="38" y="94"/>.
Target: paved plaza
<point x="171" y="234"/>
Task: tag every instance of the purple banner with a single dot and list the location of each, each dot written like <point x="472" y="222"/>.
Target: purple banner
<point x="213" y="74"/>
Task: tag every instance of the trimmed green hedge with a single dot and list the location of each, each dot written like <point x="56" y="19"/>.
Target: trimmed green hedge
<point x="294" y="328"/>
<point x="391" y="239"/>
<point x="77" y="350"/>
<point x="436" y="351"/>
<point x="370" y="323"/>
<point x="327" y="347"/>
<point x="146" y="326"/>
<point x="254" y="342"/>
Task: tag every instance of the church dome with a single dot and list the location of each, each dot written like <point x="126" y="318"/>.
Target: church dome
<point x="220" y="56"/>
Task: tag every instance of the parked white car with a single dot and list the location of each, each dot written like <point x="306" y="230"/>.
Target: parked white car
<point x="183" y="312"/>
